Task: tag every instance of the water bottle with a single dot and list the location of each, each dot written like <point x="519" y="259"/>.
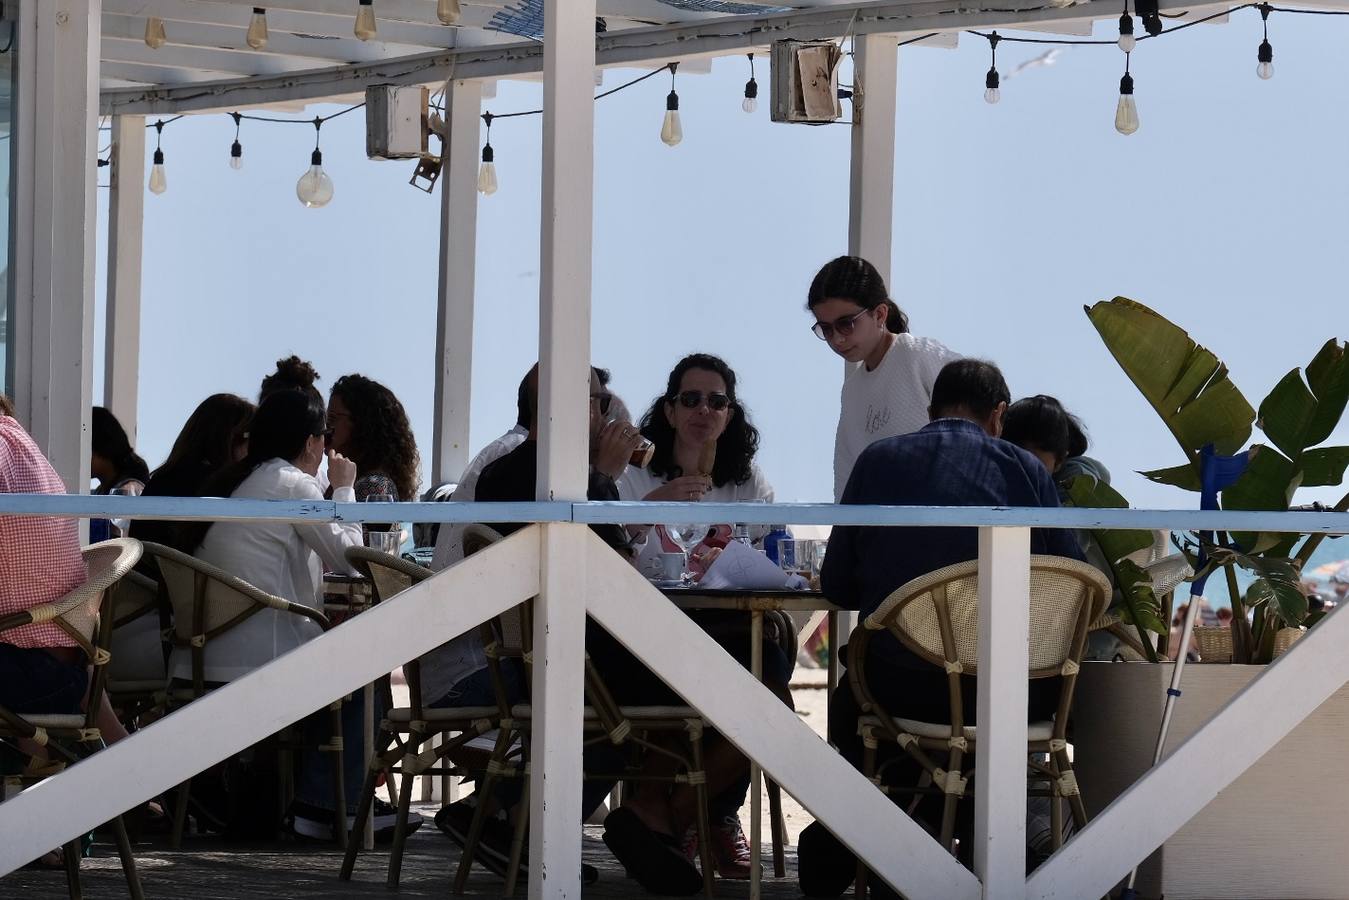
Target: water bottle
<point x="770" y="542"/>
<point x="742" y="534"/>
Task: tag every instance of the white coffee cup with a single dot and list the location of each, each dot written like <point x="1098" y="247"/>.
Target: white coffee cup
<point x="672" y="566"/>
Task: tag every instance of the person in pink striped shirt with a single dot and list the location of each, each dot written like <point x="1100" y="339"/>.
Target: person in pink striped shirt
<point x="42" y="669"/>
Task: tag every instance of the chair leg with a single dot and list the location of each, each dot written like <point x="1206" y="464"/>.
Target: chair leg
<point x="951" y="801"/>
<point x="518" y="840"/>
<point x="133" y="880"/>
<point x="339" y="780"/>
<point x="400" y="828"/>
<point x="480" y="812"/>
<point x="778" y="824"/>
<point x="1055" y="809"/>
<point x="180" y="814"/>
<point x="358" y="827"/>
<point x="70" y="855"/>
<point x="869" y="770"/>
<point x="699" y="779"/>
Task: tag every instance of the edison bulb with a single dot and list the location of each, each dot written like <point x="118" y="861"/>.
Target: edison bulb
<point x="365" y="20"/>
<point x="487" y="178"/>
<point x="991" y="84"/>
<point x="751" y="96"/>
<point x="1265" y="67"/>
<point x="992" y="95"/>
<point x="155" y="36"/>
<point x="159" y="181"/>
<point x="671" y="130"/>
<point x="448" y="12"/>
<point x="315" y="188"/>
<point x="750" y="104"/>
<point x="257" y="29"/>
<point x="236" y="156"/>
<point x="1127" y="42"/>
<point x="1126" y="114"/>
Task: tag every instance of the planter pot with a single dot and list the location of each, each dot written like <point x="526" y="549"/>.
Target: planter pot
<point x="1279" y="830"/>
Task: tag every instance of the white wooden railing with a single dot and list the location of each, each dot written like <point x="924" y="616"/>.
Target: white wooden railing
<point x="573" y="573"/>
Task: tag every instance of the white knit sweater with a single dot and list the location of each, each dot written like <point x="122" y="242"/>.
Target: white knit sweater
<point x="889" y="400"/>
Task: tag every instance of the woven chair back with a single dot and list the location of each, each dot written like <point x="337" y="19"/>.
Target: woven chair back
<point x="937" y="615"/>
<point x="106" y="563"/>
<point x="133" y="596"/>
<point x="390" y="575"/>
<point x="205" y="599"/>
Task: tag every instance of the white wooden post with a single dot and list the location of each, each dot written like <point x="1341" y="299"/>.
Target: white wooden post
<point x="454" y="310"/>
<point x="872" y="173"/>
<point x="126" y="221"/>
<point x="1000" y="754"/>
<point x="54" y="228"/>
<point x="564" y="444"/>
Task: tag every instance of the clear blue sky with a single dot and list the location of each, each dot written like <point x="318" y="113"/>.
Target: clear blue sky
<point x="1224" y="212"/>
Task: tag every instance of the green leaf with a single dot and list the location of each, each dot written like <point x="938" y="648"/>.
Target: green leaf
<point x="1328" y="376"/>
<point x="1186" y="384"/>
<point x="1267" y="484"/>
<point x="1286" y="414"/>
<point x="1324" y="466"/>
<point x="1141" y="606"/>
<point x="1284" y="598"/>
<point x="1179" y="476"/>
<point x="1086" y="492"/>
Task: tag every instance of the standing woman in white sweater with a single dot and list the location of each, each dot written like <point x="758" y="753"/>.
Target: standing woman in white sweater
<point x="887" y="385"/>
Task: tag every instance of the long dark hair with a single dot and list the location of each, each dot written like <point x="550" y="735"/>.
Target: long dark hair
<point x="1041" y="423"/>
<point x="108" y="439"/>
<point x="854" y="279"/>
<point x="736" y="446"/>
<point x="282" y="425"/>
<point x="292" y="374"/>
<point x="209" y="438"/>
<point x="381" y="436"/>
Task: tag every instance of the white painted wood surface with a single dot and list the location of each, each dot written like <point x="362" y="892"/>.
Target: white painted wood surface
<point x="747" y="714"/>
<point x="240" y="714"/>
<point x="456" y="285"/>
<point x="871" y="173"/>
<point x="126" y="219"/>
<point x="1000" y="754"/>
<point x="1208" y="761"/>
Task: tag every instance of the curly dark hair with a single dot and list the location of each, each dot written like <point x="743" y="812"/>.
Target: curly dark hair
<point x="736" y="446"/>
<point x="292" y="374"/>
<point x="382" y="439"/>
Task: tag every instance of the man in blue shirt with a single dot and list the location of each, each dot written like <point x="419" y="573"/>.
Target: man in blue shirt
<point x="957" y="459"/>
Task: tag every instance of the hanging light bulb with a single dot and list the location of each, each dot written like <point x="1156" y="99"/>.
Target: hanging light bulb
<point x="487" y="172"/>
<point x="1126" y="113"/>
<point x="236" y="155"/>
<point x="1127" y="42"/>
<point x="1148" y="11"/>
<point x="257" y="29"/>
<point x="448" y="12"/>
<point x="671" y="130"/>
<point x="751" y="102"/>
<point x="159" y="181"/>
<point x="314" y="188"/>
<point x="991" y="81"/>
<point x="365" y="20"/>
<point x="155" y="37"/>
<point x="1265" y="55"/>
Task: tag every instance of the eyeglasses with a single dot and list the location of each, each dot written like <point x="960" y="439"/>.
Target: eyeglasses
<point x="716" y="401"/>
<point x="844" y="325"/>
<point x="603" y="401"/>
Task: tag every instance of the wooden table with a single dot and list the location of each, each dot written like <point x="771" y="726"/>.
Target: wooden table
<point x="756" y="603"/>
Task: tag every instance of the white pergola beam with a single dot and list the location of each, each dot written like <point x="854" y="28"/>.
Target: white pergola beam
<point x="134" y="50"/>
<point x="455" y="289"/>
<point x="152" y="75"/>
<point x="638" y="46"/>
<point x="871" y="184"/>
<point x="126" y="207"/>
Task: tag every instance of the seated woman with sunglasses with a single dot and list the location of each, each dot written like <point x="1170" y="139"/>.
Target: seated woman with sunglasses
<point x="699" y="405"/>
<point x="888" y="383"/>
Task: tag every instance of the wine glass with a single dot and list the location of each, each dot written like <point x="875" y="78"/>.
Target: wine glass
<point x="120" y="526"/>
<point x="385" y="537"/>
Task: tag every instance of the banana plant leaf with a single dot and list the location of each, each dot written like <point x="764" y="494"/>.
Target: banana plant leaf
<point x="1185" y="383"/>
<point x="1324" y="466"/>
<point x="1300" y="413"/>
<point x="1141" y="607"/>
<point x="1178" y="476"/>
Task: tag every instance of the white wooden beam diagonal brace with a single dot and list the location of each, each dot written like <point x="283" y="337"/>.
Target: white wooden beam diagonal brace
<point x="290" y="687"/>
<point x="674" y="647"/>
<point x="126" y="221"/>
<point x="455" y="290"/>
<point x="1142" y="818"/>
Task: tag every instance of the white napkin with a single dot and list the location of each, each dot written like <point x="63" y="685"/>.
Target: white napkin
<point x="744" y="568"/>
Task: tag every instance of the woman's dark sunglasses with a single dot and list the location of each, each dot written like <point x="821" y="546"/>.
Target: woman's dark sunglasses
<point x="844" y="325"/>
<point x="694" y="399"/>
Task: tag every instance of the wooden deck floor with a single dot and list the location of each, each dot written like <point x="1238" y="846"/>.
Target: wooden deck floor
<point x="211" y="869"/>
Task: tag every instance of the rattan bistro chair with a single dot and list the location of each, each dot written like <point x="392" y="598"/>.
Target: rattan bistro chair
<point x="936" y="616"/>
<point x="402" y="746"/>
<point x="508" y="636"/>
<point x="84" y="615"/>
<point x="207" y="602"/>
<point x="138" y="671"/>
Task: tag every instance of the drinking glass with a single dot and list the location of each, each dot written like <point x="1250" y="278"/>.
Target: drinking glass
<point x="383" y="536"/>
<point x="795" y="556"/>
<point x="120" y="526"/>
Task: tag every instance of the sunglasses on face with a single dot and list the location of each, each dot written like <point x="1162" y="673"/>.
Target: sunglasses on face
<point x="843" y="325"/>
<point x="602" y="401"/>
<point x="716" y="401"/>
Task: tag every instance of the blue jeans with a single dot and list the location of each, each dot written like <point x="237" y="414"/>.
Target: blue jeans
<point x="314" y="783"/>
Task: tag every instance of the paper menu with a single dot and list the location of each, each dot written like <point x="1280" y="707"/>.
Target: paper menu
<point x="742" y="567"/>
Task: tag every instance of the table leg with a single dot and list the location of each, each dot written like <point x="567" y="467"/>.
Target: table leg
<point x="368" y="753"/>
<point x="755" y="773"/>
<point x="833" y="652"/>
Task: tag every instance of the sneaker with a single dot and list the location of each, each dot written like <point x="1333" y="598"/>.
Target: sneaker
<point x="310" y="821"/>
<point x="730" y="849"/>
<point x="494" y="844"/>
